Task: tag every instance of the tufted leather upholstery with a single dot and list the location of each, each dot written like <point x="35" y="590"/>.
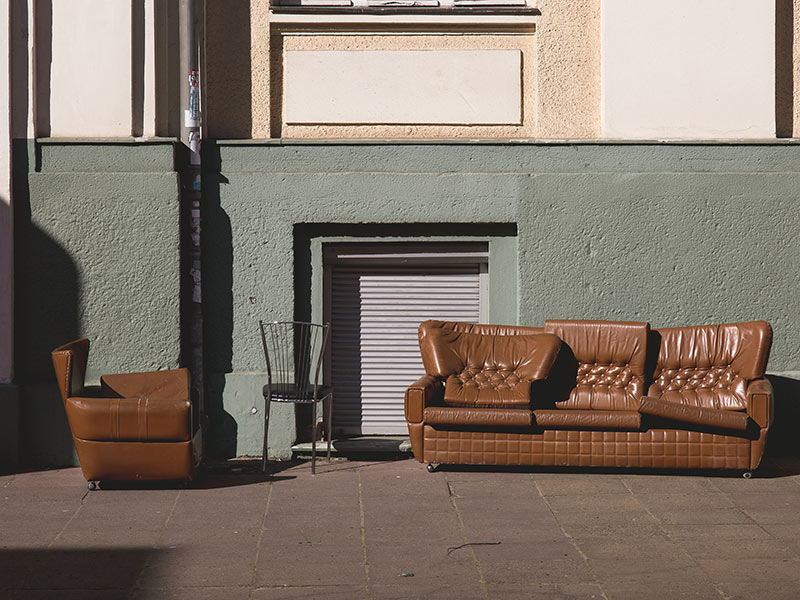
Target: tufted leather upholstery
<point x="486" y="369"/>
<point x="135" y="426"/>
<point x="709" y="405"/>
<point x="709" y="366"/>
<point x="609" y="364"/>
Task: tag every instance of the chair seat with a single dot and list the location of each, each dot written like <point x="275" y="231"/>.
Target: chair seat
<point x="290" y="392"/>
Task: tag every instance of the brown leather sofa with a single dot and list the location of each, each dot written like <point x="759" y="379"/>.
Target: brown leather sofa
<point x="592" y="393"/>
<point x="133" y="426"/>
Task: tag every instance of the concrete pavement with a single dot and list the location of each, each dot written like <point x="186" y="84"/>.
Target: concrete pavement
<point x="390" y="529"/>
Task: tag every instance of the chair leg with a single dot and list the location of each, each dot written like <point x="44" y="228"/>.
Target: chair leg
<point x="264" y="455"/>
<point x="314" y="442"/>
<point x="330" y="418"/>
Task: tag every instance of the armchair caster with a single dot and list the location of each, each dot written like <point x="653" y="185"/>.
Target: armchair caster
<point x="431" y="468"/>
<point x="747" y="474"/>
<point x="93" y="485"/>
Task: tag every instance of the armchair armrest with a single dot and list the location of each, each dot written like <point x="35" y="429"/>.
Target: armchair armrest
<point x="154" y="385"/>
<point x="420" y="394"/>
<point x="761" y="402"/>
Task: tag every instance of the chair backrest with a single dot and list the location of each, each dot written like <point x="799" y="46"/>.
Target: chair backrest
<point x="69" y="362"/>
<point x="294" y="351"/>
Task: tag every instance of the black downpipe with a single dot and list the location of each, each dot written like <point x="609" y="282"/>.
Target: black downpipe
<point x="191" y="181"/>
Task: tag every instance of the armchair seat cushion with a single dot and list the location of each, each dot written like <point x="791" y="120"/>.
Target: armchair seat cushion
<point x="696" y="415"/>
<point x="129" y="419"/>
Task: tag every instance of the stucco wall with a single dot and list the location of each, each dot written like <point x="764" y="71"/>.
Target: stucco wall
<point x="97" y="255"/>
<point x="568" y="40"/>
<point x="561" y="83"/>
<point x="240" y="103"/>
<point x="671" y="234"/>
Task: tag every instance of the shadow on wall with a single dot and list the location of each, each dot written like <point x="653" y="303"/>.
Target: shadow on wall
<point x="783" y="440"/>
<point x="222" y="430"/>
<point x="46" y="293"/>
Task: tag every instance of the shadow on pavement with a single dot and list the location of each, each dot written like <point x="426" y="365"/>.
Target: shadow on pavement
<point x="73" y="568"/>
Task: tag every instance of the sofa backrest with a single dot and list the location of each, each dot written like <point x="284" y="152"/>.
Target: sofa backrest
<point x="710" y="365"/>
<point x="602" y="366"/>
<point x="443" y="345"/>
<point x="486" y="365"/>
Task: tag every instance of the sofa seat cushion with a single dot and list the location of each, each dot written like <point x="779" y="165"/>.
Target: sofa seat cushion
<point x="687" y="413"/>
<point x="129" y="419"/>
<point x="587" y="419"/>
<point x="481" y="417"/>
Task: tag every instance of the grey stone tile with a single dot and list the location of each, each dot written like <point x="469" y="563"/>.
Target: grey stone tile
<point x="521" y="562"/>
<point x="286" y="563"/>
<point x="762" y="590"/>
<point x="660" y="484"/>
<point x="329" y="592"/>
<point x="219" y="563"/>
<point x="703" y="548"/>
<point x="545" y="591"/>
<point x="192" y="593"/>
<point x="752" y="570"/>
<point x="701" y="516"/>
<point x="581" y="486"/>
<point x="634" y="549"/>
<point x="721" y="531"/>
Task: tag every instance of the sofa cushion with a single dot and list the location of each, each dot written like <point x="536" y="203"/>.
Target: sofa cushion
<point x="478" y="417"/>
<point x="587" y="419"/>
<point x="708" y="366"/>
<point x="605" y="366"/>
<point x="491" y="370"/>
<point x="685" y="413"/>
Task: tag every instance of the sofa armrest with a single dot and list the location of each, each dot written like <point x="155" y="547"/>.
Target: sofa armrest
<point x="761" y="402"/>
<point x="153" y="385"/>
<point x="420" y="394"/>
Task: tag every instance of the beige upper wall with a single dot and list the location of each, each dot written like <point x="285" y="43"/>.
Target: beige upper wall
<point x="568" y="41"/>
<point x="88" y="85"/>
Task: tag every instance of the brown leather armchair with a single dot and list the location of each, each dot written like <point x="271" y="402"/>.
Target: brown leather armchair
<point x="134" y="426"/>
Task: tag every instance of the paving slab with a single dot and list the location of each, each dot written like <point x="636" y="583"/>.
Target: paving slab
<point x="390" y="529"/>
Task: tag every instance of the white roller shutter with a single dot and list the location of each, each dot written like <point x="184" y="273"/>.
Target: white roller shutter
<point x="375" y="312"/>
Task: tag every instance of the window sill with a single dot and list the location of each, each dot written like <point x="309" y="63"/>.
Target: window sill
<point x="405" y="15"/>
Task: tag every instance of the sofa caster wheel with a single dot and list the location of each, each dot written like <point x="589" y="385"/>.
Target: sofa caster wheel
<point x="747" y="474"/>
<point x="93" y="485"/>
<point x="430" y="468"/>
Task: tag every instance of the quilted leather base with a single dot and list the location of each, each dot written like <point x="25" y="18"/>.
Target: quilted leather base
<point x="656" y="448"/>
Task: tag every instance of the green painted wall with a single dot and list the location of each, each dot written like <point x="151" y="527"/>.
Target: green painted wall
<point x="97" y="253"/>
<point x="668" y="233"/>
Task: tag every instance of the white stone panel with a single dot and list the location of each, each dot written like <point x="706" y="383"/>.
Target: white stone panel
<point x="465" y="87"/>
<point x="90" y="77"/>
<point x="699" y="69"/>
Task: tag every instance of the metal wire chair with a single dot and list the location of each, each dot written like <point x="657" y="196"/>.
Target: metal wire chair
<point x="294" y="351"/>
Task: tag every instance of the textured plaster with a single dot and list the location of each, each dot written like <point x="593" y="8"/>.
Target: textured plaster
<point x="673" y="234"/>
<point x="568" y="40"/>
<point x="97" y="255"/>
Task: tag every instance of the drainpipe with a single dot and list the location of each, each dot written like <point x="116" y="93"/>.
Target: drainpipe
<point x="191" y="180"/>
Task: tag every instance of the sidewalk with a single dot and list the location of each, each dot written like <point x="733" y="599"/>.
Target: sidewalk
<point x="376" y="530"/>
